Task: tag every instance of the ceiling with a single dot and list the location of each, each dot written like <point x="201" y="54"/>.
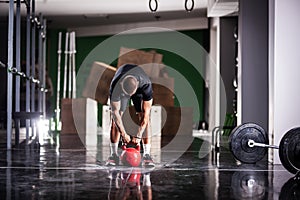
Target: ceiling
<point x="78" y="13"/>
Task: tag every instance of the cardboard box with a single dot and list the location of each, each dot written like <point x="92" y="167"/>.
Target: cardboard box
<point x="165" y="82"/>
<point x="177" y="119"/>
<point x="134" y="56"/>
<point x="79" y="118"/>
<point x="150" y="62"/>
<point x="68" y="125"/>
<point x="163" y="99"/>
<point x="70" y="141"/>
<point x="98" y="82"/>
<point x="163" y="91"/>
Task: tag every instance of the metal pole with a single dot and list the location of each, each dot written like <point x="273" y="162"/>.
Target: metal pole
<point x="27" y="69"/>
<point x="44" y="65"/>
<point x="73" y="65"/>
<point x="8" y="175"/>
<point x="58" y="81"/>
<point x="18" y="62"/>
<point x="70" y="67"/>
<point x="40" y="63"/>
<point x="66" y="66"/>
<point x="9" y="75"/>
<point x="39" y="71"/>
<point x="252" y="143"/>
<point x="33" y="28"/>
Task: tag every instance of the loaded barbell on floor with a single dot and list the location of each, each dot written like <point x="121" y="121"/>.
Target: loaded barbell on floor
<point x="249" y="143"/>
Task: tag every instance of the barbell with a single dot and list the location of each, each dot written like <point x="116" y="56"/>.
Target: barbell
<point x="249" y="144"/>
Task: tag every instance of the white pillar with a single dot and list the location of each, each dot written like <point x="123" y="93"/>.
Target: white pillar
<point x="285" y="67"/>
<point x="212" y="74"/>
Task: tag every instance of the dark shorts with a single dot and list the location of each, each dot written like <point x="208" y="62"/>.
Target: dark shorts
<point x="137" y="100"/>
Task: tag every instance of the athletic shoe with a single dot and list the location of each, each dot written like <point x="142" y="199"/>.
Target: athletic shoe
<point x="113" y="160"/>
<point x="147" y="161"/>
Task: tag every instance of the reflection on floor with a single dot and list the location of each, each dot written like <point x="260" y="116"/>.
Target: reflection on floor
<point x="185" y="170"/>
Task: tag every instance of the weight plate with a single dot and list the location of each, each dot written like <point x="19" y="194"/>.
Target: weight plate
<point x="238" y="143"/>
<point x="291" y="189"/>
<point x="249" y="184"/>
<point x="289" y="150"/>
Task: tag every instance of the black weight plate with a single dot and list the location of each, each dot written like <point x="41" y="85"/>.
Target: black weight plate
<point x="289" y="150"/>
<point x="290" y="190"/>
<point x="238" y="143"/>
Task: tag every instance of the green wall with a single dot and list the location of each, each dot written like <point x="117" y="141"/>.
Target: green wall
<point x="180" y="68"/>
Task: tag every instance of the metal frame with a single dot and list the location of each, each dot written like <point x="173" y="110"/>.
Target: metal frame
<point x="9" y="75"/>
<point x="18" y="66"/>
<point x="32" y="23"/>
<point x="216" y="142"/>
<point x="27" y="106"/>
<point x="58" y="82"/>
<point x="33" y="28"/>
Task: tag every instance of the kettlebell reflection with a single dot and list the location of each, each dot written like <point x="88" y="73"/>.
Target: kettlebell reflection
<point x="131" y="184"/>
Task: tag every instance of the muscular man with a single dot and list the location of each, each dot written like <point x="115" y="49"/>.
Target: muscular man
<point x="130" y="82"/>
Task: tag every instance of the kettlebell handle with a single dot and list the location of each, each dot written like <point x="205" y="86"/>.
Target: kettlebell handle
<point x="137" y="147"/>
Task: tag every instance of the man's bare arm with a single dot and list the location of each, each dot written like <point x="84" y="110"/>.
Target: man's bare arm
<point x="117" y="118"/>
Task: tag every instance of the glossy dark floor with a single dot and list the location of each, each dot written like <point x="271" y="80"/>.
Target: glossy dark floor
<point x="48" y="172"/>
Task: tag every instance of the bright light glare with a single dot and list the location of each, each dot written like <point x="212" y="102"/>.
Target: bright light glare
<point x="43" y="128"/>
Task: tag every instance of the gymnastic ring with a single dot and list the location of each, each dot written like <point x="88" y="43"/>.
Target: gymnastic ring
<point x="156" y="6"/>
<point x="191" y="8"/>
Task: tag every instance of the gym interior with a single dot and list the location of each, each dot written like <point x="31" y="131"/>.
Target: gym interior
<point x="225" y="122"/>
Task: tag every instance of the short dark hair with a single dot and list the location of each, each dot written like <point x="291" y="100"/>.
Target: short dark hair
<point x="129" y="84"/>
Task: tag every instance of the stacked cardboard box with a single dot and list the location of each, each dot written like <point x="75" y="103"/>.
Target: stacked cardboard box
<point x="177" y="119"/>
<point x="79" y="123"/>
<point x="98" y="82"/>
<point x="101" y="74"/>
<point x="163" y="91"/>
<point x="79" y="116"/>
<point x="173" y="119"/>
<point x="151" y="62"/>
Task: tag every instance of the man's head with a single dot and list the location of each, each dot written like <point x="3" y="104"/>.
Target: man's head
<point x="129" y="85"/>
